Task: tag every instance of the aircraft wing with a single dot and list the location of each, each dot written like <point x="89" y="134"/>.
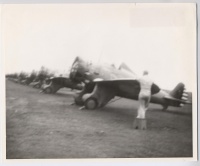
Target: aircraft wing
<point x="114" y="80"/>
<point x="115" y="83"/>
<point x="125" y="83"/>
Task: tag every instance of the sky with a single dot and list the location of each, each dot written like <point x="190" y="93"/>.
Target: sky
<point x="160" y="38"/>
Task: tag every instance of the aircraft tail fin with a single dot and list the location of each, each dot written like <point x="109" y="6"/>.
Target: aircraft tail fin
<point x="179" y="96"/>
<point x="178" y="91"/>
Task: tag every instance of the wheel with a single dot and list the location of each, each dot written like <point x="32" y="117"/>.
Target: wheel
<point x="91" y="103"/>
<point x="48" y="90"/>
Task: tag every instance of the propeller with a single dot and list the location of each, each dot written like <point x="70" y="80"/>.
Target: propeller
<point x="74" y="70"/>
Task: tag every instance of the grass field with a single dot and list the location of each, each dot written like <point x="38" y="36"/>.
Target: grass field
<point x="41" y="126"/>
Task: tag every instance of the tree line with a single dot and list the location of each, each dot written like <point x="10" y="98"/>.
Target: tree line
<point x="40" y="75"/>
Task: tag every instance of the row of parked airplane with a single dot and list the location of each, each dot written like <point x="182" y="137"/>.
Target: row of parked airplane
<point x="49" y="85"/>
<point x="98" y="84"/>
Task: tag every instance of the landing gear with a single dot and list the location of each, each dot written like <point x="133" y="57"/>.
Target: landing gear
<point x="78" y="100"/>
<point x="91" y="103"/>
<point x="48" y="90"/>
<point x="78" y="96"/>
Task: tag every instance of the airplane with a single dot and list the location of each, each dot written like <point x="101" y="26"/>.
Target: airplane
<point x="53" y="84"/>
<point x="36" y="83"/>
<point x="104" y="82"/>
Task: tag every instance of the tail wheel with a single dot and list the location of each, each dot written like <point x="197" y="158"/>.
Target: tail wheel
<point x="91" y="103"/>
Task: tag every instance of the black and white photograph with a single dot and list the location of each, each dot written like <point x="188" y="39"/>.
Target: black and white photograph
<point x="100" y="81"/>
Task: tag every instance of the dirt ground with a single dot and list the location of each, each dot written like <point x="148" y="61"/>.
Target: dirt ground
<point x="43" y="126"/>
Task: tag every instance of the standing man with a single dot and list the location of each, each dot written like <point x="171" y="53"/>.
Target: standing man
<point x="144" y="99"/>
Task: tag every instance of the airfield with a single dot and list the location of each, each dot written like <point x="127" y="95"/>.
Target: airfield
<point x="45" y="126"/>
